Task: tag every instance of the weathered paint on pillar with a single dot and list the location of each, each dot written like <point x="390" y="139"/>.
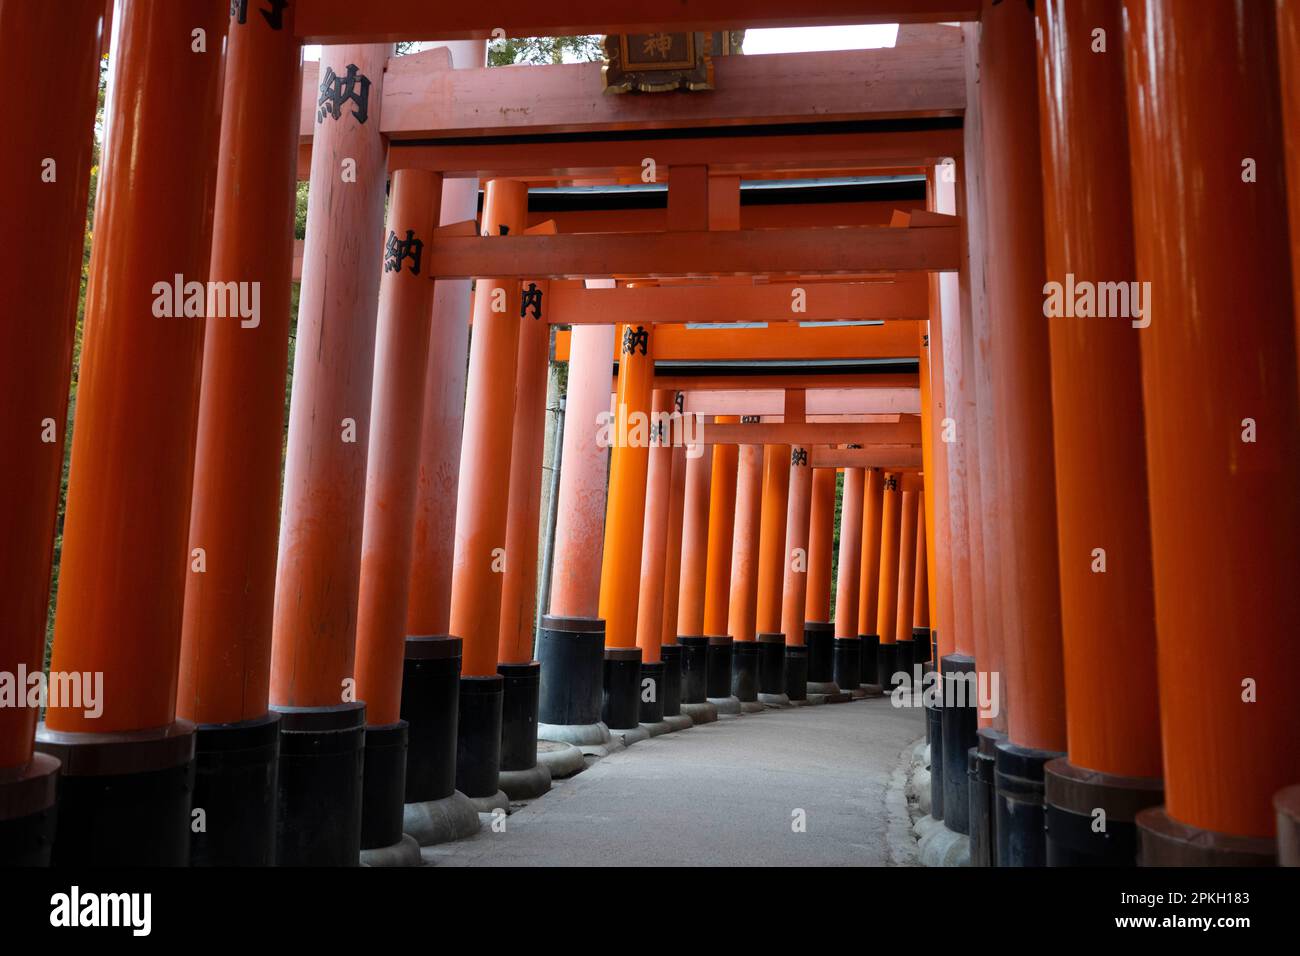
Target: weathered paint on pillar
<point x="891" y="506"/>
<point x="743" y="606"/>
<point x="225" y="669"/>
<point x="1021" y="378"/>
<point x="401" y="361"/>
<point x="798" y="516"/>
<point x="821" y="539"/>
<point x="907" y="548"/>
<point x="519" y="582"/>
<point x="848" y="581"/>
<point x="42" y="229"/>
<point x="771" y="543"/>
<point x="620" y="571"/>
<point x="722" y="523"/>
<point x="1222" y="423"/>
<point x="1104" y="538"/>
<point x="313" y="642"/>
<point x="580" y="512"/>
<point x="695" y="545"/>
<point x="428" y="607"/>
<point x="124" y="561"/>
<point x="869" y="562"/>
<point x="654" y="541"/>
<point x="481" y="514"/>
<point x="673" y="547"/>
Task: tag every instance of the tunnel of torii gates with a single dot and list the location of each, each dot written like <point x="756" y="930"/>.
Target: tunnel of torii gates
<point x="1087" y="526"/>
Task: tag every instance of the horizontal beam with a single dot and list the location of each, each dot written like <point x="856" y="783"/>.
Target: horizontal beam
<point x="776" y="216"/>
<point x="620" y="158"/>
<point x="812" y="251"/>
<point x="906" y="432"/>
<point x="351" y="21"/>
<point x="668" y="379"/>
<point x="780" y="342"/>
<point x="830" y="401"/>
<point x="874" y="456"/>
<point x="905" y="299"/>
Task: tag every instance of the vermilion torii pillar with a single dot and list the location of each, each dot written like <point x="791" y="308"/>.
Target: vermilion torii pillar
<point x="819" y="631"/>
<point x="743" y="605"/>
<point x="314" y="636"/>
<point x="396" y="411"/>
<point x="1104" y="538"/>
<point x="571" y="641"/>
<point x="907" y="547"/>
<point x="1222" y="423"/>
<point x="721" y="532"/>
<point x="436" y="811"/>
<point x="521" y="776"/>
<point x="620" y="570"/>
<point x="225" y="668"/>
<point x="481" y="515"/>
<point x="124" y="798"/>
<point x="669" y="650"/>
<point x="1022" y="382"/>
<point x="658" y="688"/>
<point x="693" y="584"/>
<point x="891" y="504"/>
<point x="46" y="164"/>
<point x="794" y="586"/>
<point x="869" y="576"/>
<point x="771" y="574"/>
<point x="847" y="649"/>
<point x="921" y="592"/>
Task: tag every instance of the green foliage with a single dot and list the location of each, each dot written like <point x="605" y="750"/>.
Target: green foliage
<point x="300" y="213"/>
<point x="541" y="50"/>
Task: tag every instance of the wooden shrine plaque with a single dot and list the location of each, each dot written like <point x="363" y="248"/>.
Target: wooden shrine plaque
<point x="660" y="62"/>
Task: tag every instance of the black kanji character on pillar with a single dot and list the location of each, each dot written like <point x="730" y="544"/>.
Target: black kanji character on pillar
<point x="336" y="90"/>
<point x="681" y="402"/>
<point x="399" y="249"/>
<point x="632" y="339"/>
<point x="533" y="299"/>
<point x="657" y="435"/>
<point x="891" y="483"/>
<point x="749" y="419"/>
<point x="799" y="456"/>
<point x="273" y="16"/>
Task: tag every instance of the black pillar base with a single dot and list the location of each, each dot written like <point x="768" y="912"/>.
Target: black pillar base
<point x="520" y="684"/>
<point x="235" y="778"/>
<point x="960" y="721"/>
<point x="934" y="730"/>
<point x="1072" y="796"/>
<point x="819" y="638"/>
<point x="478" y="736"/>
<point x="903" y="660"/>
<point x="383" y="790"/>
<point x="1018" y="777"/>
<point x="124" y="798"/>
<point x="796" y="672"/>
<point x="430" y="706"/>
<point x="695" y="669"/>
<point x="718" y="667"/>
<point x="771" y="664"/>
<point x="846" y="662"/>
<point x="886" y="665"/>
<point x="982" y="797"/>
<point x="622" y="707"/>
<point x="28" y="813"/>
<point x="670" y="686"/>
<point x="650" y="692"/>
<point x="869" y="652"/>
<point x="744" y="671"/>
<point x="571" y="652"/>
<point x="318" y="820"/>
<point x="1164" y="841"/>
<point x="920" y="645"/>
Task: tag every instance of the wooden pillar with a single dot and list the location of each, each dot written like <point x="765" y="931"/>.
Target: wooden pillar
<point x="745" y="551"/>
<point x="133" y="448"/>
<point x="392" y="468"/>
<point x="722" y="523"/>
<point x="654" y="545"/>
<point x="673" y="546"/>
<point x="907" y="547"/>
<point x="46" y="164"/>
<point x="1222" y="423"/>
<point x="1104" y="539"/>
<point x="891" y="505"/>
<point x="693" y="580"/>
<point x="847" y="647"/>
<point x="225" y="666"/>
<point x="794" y="587"/>
<point x="772" y="686"/>
<point x="819" y="629"/>
<point x="482" y="510"/>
